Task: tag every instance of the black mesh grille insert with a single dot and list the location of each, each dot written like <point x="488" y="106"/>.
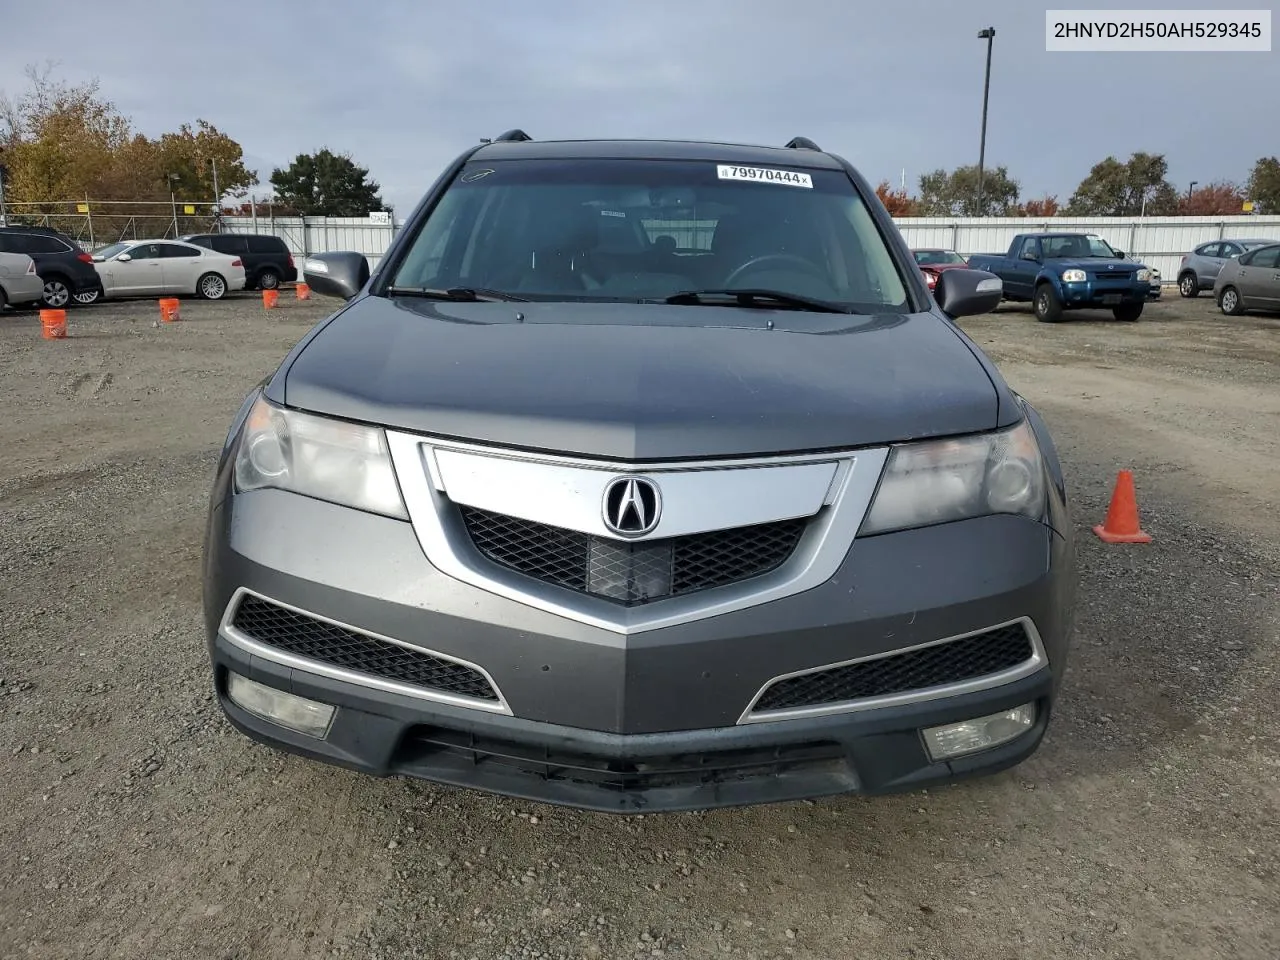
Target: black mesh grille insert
<point x="306" y="636"/>
<point x="631" y="573"/>
<point x="436" y="747"/>
<point x="959" y="660"/>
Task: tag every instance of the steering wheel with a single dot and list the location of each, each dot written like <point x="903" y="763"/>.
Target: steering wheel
<point x="788" y="259"/>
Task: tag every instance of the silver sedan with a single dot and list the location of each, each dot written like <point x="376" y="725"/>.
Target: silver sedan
<point x="144" y="268"/>
<point x="19" y="282"/>
<point x="1250" y="282"/>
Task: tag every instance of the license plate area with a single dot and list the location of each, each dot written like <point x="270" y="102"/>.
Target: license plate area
<point x="1111" y="299"/>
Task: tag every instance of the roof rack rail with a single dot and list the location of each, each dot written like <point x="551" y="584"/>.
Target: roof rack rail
<point x="803" y="143"/>
<point x="518" y="136"/>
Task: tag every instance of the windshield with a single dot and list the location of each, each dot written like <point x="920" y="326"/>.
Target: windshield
<point x="928" y="257"/>
<point x="637" y="230"/>
<point x="110" y="250"/>
<point x="1077" y="247"/>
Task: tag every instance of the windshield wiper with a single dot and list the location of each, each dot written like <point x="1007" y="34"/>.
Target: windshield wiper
<point x="755" y="298"/>
<point x="460" y="294"/>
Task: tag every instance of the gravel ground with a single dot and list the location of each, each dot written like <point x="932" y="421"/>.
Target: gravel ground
<point x="138" y="824"/>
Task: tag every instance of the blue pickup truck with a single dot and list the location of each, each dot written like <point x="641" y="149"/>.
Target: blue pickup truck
<point x="1068" y="271"/>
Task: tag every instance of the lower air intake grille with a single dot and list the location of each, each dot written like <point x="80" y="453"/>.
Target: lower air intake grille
<point x="631" y="573"/>
<point x="428" y="748"/>
<point x="968" y="658"/>
<point x="305" y="636"/>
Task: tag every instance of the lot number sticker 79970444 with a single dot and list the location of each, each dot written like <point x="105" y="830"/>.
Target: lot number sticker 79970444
<point x="764" y="175"/>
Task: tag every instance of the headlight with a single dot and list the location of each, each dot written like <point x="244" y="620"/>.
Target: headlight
<point x="1074" y="276"/>
<point x="327" y="459"/>
<point x="1144" y="276"/>
<point x="943" y="480"/>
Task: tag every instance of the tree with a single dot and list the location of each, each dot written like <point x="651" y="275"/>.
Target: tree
<point x="1046" y="206"/>
<point x="191" y="154"/>
<point x="326" y="184"/>
<point x="1216" y="199"/>
<point x="1264" y="185"/>
<point x="60" y="139"/>
<point x="955" y="194"/>
<point x="897" y="202"/>
<point x="66" y="142"/>
<point x="1116" y="189"/>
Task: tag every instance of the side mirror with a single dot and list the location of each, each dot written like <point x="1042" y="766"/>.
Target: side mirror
<point x="99" y="258"/>
<point x="967" y="293"/>
<point x="124" y="258"/>
<point x="341" y="273"/>
<point x="1119" y="253"/>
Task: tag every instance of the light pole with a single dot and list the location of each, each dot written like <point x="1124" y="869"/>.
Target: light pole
<point x="3" y="218"/>
<point x="989" y="34"/>
<point x="1192" y="189"/>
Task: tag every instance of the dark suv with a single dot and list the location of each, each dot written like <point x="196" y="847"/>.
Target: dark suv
<point x="67" y="271"/>
<point x="267" y="261"/>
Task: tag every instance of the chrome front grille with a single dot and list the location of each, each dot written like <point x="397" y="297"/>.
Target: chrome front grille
<point x="631" y="573"/>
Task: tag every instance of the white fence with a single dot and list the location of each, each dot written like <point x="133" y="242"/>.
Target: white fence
<point x="1159" y="242"/>
<point x="307" y="235"/>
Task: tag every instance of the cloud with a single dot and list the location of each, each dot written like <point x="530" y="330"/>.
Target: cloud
<point x="405" y="86"/>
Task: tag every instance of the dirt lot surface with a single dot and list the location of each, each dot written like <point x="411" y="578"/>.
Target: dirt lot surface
<point x="138" y="824"/>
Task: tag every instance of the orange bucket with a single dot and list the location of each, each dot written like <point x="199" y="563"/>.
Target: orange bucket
<point x="269" y="298"/>
<point x="303" y="291"/>
<point x="170" y="309"/>
<point x="53" y="324"/>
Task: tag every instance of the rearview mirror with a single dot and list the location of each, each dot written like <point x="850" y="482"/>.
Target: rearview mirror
<point x="124" y="258"/>
<point x="967" y="293"/>
<point x="341" y="273"/>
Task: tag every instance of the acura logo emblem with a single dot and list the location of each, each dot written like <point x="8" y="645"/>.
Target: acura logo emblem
<point x="632" y="506"/>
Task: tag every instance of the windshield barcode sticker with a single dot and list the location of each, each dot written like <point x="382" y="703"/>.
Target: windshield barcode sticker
<point x="764" y="175"/>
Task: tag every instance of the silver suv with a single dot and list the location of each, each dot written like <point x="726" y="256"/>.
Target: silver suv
<point x="1200" y="267"/>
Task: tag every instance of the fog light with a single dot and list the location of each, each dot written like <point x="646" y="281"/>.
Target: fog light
<point x="297" y="713"/>
<point x="981" y="733"/>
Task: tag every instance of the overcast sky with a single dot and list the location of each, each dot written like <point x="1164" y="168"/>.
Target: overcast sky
<point x="405" y="86"/>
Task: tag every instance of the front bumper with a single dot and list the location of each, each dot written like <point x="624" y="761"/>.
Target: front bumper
<point x="649" y="721"/>
<point x="1088" y="294"/>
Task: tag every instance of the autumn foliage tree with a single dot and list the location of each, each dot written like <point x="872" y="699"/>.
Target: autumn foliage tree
<point x="897" y="202"/>
<point x="65" y="142"/>
<point x="1046" y="206"/>
<point x="1216" y="199"/>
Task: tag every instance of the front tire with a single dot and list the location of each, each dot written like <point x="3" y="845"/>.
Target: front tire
<point x="1229" y="302"/>
<point x="1189" y="285"/>
<point x="57" y="293"/>
<point x="211" y="286"/>
<point x="1047" y="305"/>
<point x="1128" y="312"/>
<point x="268" y="280"/>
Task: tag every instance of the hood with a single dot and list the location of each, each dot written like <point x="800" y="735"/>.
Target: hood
<point x="627" y="381"/>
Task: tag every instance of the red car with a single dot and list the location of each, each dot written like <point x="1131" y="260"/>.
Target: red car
<point x="933" y="260"/>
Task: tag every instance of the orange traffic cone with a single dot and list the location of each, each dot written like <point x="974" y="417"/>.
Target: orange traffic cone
<point x="1121" y="525"/>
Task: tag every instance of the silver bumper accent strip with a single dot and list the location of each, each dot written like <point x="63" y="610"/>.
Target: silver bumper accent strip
<point x="1036" y="661"/>
<point x="307" y="665"/>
